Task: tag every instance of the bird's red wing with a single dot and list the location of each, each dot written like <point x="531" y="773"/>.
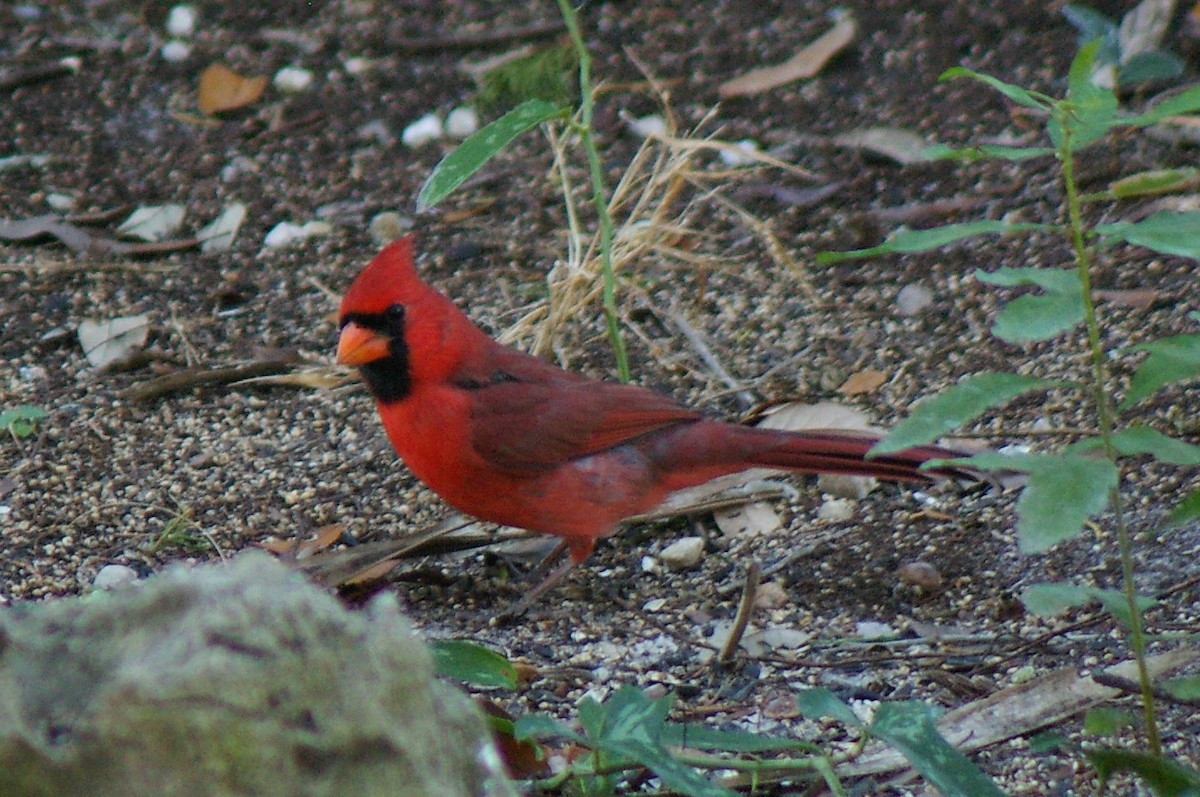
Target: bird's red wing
<point x="532" y="421"/>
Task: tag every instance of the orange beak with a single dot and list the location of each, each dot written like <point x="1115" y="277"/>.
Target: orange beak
<point x="358" y="345"/>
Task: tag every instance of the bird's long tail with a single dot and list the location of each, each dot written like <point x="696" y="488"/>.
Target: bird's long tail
<point x="714" y="449"/>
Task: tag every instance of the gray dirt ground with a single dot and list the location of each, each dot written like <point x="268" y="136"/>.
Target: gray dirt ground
<point x="104" y="477"/>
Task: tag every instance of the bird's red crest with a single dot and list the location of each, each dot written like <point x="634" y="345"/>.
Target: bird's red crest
<point x="389" y="279"/>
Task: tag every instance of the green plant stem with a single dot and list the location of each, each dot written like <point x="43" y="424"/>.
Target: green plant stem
<point x="599" y="189"/>
<point x="1105" y="416"/>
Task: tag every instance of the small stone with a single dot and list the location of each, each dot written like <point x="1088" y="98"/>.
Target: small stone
<point x="654" y="605"/>
<point x="176" y="51"/>
<point x="920" y="574"/>
<point x="870" y="629"/>
<point x="683" y="554"/>
<point x="283" y="234"/>
<point x="426" y="129"/>
<point x="377" y="130"/>
<point x="181" y="21"/>
<point x="650" y="564"/>
<point x="770" y="595"/>
<point x="292" y="79"/>
<point x="114" y="576"/>
<point x="462" y="122"/>
<point x="913" y="298"/>
<point x="856" y="487"/>
<point x="836" y="510"/>
<point x="732" y="157"/>
<point x="388" y="226"/>
<point x="60" y="201"/>
<point x="647" y="126"/>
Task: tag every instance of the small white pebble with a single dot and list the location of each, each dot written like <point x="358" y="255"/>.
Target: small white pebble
<point x="731" y="157"/>
<point x="913" y="298"/>
<point x="293" y="79"/>
<point x="649" y="564"/>
<point x="654" y="605"/>
<point x="5" y="512"/>
<point x="1015" y="449"/>
<point x="357" y="65"/>
<point x="181" y="21"/>
<point x="836" y="509"/>
<point x="647" y="126"/>
<point x="870" y="629"/>
<point x="113" y="576"/>
<point x="683" y="554"/>
<point x="462" y="122"/>
<point x="388" y="226"/>
<point x="60" y="201"/>
<point x="839" y="486"/>
<point x="426" y="129"/>
<point x="176" y="51"/>
<point x="283" y="234"/>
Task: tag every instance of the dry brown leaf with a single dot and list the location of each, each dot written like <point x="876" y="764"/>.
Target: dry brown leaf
<point x="1139" y="299"/>
<point x="325" y="537"/>
<point x="806" y="63"/>
<point x="796" y="416"/>
<point x="372" y="573"/>
<point x="866" y="381"/>
<point x="222" y="89"/>
<point x="106" y="342"/>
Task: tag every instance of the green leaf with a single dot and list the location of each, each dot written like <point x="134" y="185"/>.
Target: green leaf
<point x="675" y="775"/>
<point x="482" y="146"/>
<point x="1051" y="280"/>
<point x="1088" y="110"/>
<point x="1144" y="440"/>
<point x="1167" y="232"/>
<point x="541" y="726"/>
<point x="1048" y="742"/>
<point x="1165" y="777"/>
<point x="21" y="420"/>
<point x="909" y="728"/>
<point x="1186" y="687"/>
<point x="1105" y="721"/>
<point x="1183" y="103"/>
<point x="1185" y="511"/>
<point x="1114" y="603"/>
<point x="1153" y="66"/>
<point x="987" y="151"/>
<point x="1015" y="93"/>
<point x="1033" y="318"/>
<point x="1060" y="495"/>
<point x="908" y="241"/>
<point x="1171" y="360"/>
<point x="1051" y="600"/>
<point x="957" y="405"/>
<point x="1154" y="182"/>
<point x="1030" y="318"/>
<point x="818" y="703"/>
<point x="472" y="664"/>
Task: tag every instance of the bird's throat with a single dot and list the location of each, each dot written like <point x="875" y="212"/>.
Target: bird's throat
<point x="389" y="379"/>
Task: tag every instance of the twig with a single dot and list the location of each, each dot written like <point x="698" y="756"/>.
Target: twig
<point x="745" y="398"/>
<point x="196" y="377"/>
<point x="745" y="609"/>
<point x="473" y="41"/>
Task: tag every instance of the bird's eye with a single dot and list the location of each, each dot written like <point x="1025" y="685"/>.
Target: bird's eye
<point x="395" y="314"/>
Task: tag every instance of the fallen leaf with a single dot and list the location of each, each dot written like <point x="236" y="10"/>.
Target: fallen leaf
<point x="755" y="518"/>
<point x="152" y="222"/>
<point x="862" y="382"/>
<point x="796" y="416"/>
<point x="806" y="63"/>
<point x="218" y="235"/>
<point x="1139" y="299"/>
<point x="325" y="537"/>
<point x="222" y="89"/>
<point x="106" y="342"/>
<point x="902" y="146"/>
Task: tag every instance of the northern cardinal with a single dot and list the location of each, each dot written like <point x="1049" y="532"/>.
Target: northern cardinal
<point x="508" y="438"/>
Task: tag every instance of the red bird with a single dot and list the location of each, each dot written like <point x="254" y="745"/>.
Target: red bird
<point x="509" y="438"/>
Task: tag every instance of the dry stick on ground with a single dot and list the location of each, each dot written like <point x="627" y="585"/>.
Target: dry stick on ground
<point x="745" y="609"/>
<point x="474" y="41"/>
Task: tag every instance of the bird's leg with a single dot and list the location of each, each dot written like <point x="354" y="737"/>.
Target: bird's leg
<point x="539" y="589"/>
